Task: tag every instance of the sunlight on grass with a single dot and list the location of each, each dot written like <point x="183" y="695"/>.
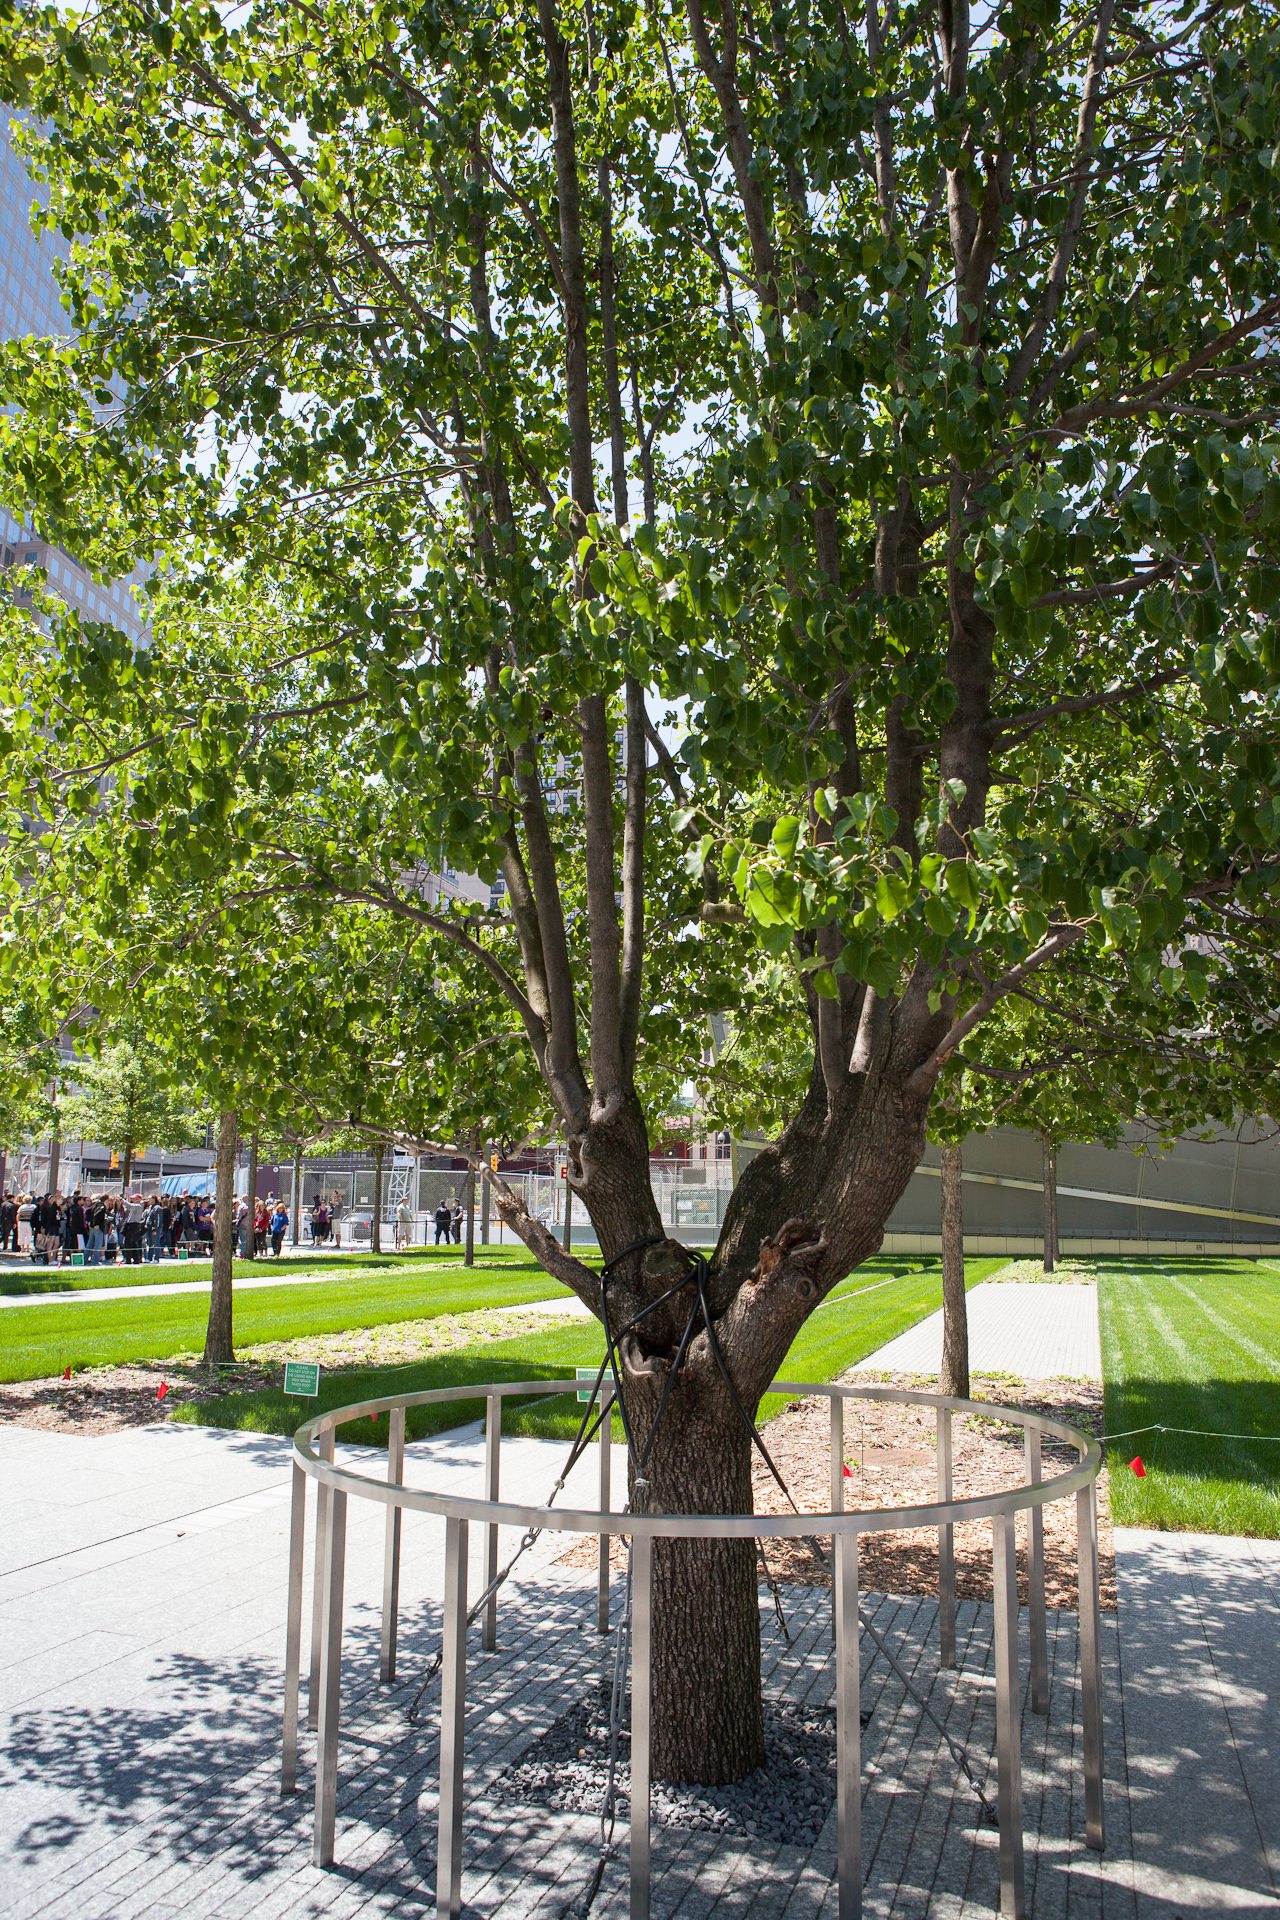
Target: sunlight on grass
<point x="43" y="1338"/>
<point x="1193" y="1344"/>
<point x="828" y="1343"/>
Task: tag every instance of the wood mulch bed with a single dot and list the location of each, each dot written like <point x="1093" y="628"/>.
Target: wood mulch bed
<point x="890" y="1453"/>
<point x="100" y="1400"/>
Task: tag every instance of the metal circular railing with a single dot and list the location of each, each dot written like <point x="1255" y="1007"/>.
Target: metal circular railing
<point x="314" y="1460"/>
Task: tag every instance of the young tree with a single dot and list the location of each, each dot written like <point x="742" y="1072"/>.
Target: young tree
<point x="126" y="1096"/>
<point x="933" y="363"/>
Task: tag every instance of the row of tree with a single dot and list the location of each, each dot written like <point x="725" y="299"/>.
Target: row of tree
<point x="794" y="496"/>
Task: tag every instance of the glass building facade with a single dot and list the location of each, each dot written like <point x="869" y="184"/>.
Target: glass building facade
<point x="30" y="303"/>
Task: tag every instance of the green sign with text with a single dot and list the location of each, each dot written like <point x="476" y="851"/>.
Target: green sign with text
<point x="302" y="1376"/>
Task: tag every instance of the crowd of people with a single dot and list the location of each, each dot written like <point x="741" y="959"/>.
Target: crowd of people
<point x="136" y="1228"/>
<point x="132" y="1228"/>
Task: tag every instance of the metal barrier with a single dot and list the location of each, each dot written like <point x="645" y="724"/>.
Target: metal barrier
<point x="314" y="1459"/>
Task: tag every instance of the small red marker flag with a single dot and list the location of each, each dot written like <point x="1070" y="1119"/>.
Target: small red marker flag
<point x="162" y="1389"/>
<point x="67" y="1374"/>
<point x="1136" y="1467"/>
<point x="848" y="1471"/>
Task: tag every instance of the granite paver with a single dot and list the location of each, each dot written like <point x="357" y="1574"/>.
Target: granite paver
<point x="145" y="1782"/>
<point x="1036" y="1332"/>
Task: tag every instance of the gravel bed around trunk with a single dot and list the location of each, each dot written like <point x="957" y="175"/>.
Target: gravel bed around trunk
<point x="786" y="1801"/>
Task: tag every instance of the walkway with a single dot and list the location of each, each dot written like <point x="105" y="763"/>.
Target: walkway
<point x="141" y="1632"/>
<point x="1039" y="1332"/>
<point x="274" y="1278"/>
<point x="1199" y="1632"/>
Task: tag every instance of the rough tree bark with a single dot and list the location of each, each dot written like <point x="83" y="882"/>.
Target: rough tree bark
<point x="486" y="1200"/>
<point x="469" y="1225"/>
<point x="218" y="1349"/>
<point x="375" y="1239"/>
<point x="954" y="1378"/>
<point x="1049" y="1166"/>
<point x="126" y="1166"/>
<point x="296" y="1205"/>
<point x="250" y="1239"/>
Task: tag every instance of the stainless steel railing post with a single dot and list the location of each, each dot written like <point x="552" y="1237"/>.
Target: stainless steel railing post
<point x="641" y="1676"/>
<point x="1090" y="1660"/>
<point x="492" y="1481"/>
<point x="603" y="1540"/>
<point x="848" y="1729"/>
<point x="1036" y="1619"/>
<point x="1004" y="1575"/>
<point x="453" y="1688"/>
<point x="324" y="1503"/>
<point x="391" y="1550"/>
<point x="330" y="1679"/>
<point x="836" y="1493"/>
<point x="293" y="1632"/>
<point x="946" y="1549"/>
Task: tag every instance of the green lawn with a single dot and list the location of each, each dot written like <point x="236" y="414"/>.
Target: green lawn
<point x="843" y="1330"/>
<point x="43" y="1338"/>
<point x="44" y="1280"/>
<point x="1196" y="1344"/>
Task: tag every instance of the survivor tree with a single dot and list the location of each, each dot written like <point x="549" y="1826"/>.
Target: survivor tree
<point x="741" y="476"/>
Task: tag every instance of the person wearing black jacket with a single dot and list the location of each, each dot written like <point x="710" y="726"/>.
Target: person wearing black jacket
<point x="8" y="1224"/>
<point x="45" y="1224"/>
<point x="74" y="1226"/>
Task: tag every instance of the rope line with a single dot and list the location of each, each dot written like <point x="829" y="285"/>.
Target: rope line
<point x="1200" y="1433"/>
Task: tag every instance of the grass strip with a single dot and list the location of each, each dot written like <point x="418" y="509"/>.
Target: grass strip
<point x="42" y="1339"/>
<point x="825" y="1346"/>
<point x="1193" y="1344"/>
<point x="36" y="1281"/>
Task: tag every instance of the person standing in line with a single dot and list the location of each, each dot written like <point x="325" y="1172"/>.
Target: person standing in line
<point x="261" y="1221"/>
<point x="26" y="1214"/>
<point x="95" y="1238"/>
<point x="444" y="1222"/>
<point x="243" y="1227"/>
<point x="279" y="1227"/>
<point x="131" y="1238"/>
<point x="75" y="1226"/>
<point x="455" y="1220"/>
<point x="48" y="1221"/>
<point x="157" y="1225"/>
<point x="8" y="1224"/>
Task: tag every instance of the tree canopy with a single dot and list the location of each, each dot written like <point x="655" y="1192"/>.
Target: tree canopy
<point x="749" y="480"/>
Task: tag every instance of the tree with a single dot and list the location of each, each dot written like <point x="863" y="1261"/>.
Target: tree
<point x="218" y="1345"/>
<point x="126" y="1097"/>
<point x="934" y="364"/>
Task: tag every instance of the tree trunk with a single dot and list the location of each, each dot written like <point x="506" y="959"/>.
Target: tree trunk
<point x="217" y="1344"/>
<point x="567" y="1242"/>
<point x="469" y="1255"/>
<point x="297" y="1199"/>
<point x="708" y="1723"/>
<point x="954" y="1378"/>
<point x="807" y="1210"/>
<point x="1049" y="1163"/>
<point x="126" y="1166"/>
<point x="486" y="1198"/>
<point x="375" y="1240"/>
<point x="253" y="1197"/>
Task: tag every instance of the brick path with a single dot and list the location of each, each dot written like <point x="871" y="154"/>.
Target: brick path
<point x="1047" y="1332"/>
<point x="141" y="1633"/>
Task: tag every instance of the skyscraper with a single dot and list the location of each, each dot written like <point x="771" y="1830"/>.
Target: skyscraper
<point x="30" y="303"/>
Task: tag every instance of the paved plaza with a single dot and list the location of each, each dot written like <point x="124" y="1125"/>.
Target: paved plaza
<point x="141" y="1634"/>
<point x="142" y="1608"/>
<point x="1038" y="1332"/>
